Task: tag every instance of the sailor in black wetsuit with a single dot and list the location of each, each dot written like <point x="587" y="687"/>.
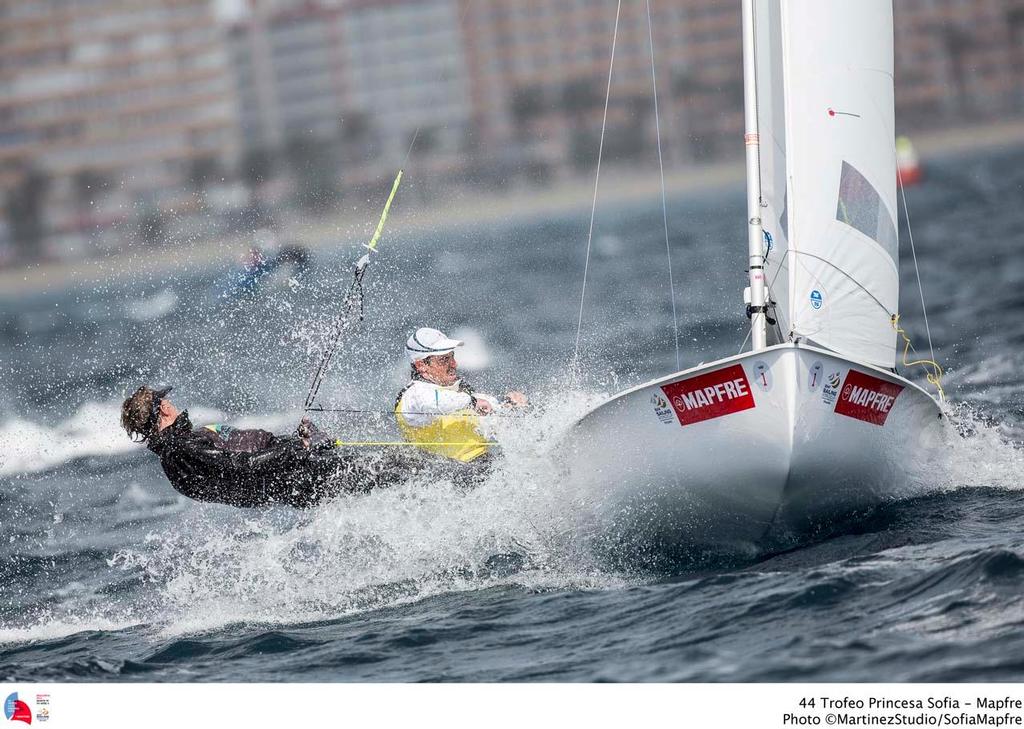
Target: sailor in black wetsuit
<point x="246" y="467"/>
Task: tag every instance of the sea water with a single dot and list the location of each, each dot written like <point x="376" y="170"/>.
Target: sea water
<point x="106" y="573"/>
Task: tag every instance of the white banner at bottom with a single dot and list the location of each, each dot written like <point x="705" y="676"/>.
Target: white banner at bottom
<point x="112" y="706"/>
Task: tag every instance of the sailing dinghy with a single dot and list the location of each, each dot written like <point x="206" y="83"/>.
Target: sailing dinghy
<point x="812" y="423"/>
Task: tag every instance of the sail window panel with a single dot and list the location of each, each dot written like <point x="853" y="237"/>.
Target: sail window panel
<point x="861" y="207"/>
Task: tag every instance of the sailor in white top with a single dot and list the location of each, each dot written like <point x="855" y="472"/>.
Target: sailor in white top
<point x="437" y="410"/>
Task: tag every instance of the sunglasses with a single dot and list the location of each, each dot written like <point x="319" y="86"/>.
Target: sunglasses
<point x="440" y="358"/>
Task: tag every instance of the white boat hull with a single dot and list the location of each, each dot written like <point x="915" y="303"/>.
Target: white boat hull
<point x="746" y="454"/>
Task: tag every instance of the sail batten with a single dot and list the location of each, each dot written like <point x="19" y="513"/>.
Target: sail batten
<point x="826" y="110"/>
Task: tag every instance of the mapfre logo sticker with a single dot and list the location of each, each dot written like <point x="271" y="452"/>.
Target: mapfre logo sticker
<point x="711" y="395"/>
<point x="867" y="398"/>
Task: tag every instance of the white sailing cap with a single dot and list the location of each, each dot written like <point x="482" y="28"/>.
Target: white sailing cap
<point x="427" y="342"/>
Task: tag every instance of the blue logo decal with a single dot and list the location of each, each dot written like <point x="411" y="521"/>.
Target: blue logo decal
<point x="816" y="299"/>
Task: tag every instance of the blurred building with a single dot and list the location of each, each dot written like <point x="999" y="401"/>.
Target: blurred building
<point x="494" y="88"/>
<point x="355" y="79"/>
<point x="407" y="70"/>
<point x="541" y="71"/>
<point x="119" y="109"/>
<point x="108" y="108"/>
<point x="958" y="61"/>
<point x="288" y="63"/>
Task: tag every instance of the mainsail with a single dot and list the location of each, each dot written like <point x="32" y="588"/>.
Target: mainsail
<point x="836" y="213"/>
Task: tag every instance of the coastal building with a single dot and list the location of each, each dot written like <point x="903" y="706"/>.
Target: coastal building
<point x="355" y="78"/>
<point x="348" y="83"/>
<point x="287" y="62"/>
<point x="958" y="62"/>
<point x="541" y="68"/>
<point x="407" y="70"/>
<point x="116" y="111"/>
<point x="107" y="108"/>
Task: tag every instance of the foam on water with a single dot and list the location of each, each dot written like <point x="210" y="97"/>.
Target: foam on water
<point x="59" y="628"/>
<point x="393" y="546"/>
<point x="981" y="454"/>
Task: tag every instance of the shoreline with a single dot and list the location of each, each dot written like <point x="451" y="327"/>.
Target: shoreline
<point x="463" y="209"/>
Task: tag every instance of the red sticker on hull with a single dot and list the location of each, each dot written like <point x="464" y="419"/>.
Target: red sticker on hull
<point x="867" y="398"/>
<point x="710" y="395"/>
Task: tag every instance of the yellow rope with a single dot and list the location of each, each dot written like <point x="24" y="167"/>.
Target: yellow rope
<point x="372" y="245"/>
<point x="935" y="375"/>
<point x="339" y="443"/>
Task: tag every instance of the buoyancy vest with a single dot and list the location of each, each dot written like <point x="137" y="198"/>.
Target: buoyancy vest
<point x="454" y="434"/>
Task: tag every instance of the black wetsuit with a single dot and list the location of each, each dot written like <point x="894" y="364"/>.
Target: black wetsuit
<point x="257" y="468"/>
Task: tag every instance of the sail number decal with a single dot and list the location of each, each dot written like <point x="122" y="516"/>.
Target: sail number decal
<point x="867" y="398"/>
<point x="710" y="395"/>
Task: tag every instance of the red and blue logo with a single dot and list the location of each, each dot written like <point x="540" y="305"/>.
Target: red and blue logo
<point x="16" y="710"/>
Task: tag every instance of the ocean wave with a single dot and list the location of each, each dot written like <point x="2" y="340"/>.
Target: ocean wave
<point x="979" y="571"/>
<point x="207" y="567"/>
<point x="46" y="630"/>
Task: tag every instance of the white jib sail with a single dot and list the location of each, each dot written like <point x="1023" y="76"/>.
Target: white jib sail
<point x="840" y="161"/>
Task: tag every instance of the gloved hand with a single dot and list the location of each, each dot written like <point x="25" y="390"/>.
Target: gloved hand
<point x="310" y="434"/>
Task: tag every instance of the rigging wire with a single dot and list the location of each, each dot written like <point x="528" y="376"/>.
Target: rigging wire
<point x="935" y="375"/>
<point x="750" y="331"/>
<point x="917" y="271"/>
<point x="593" y="208"/>
<point x="664" y="206"/>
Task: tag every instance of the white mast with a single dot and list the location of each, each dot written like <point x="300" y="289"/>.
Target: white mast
<point x="755" y="234"/>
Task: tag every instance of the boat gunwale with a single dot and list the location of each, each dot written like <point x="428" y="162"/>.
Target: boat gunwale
<point x="746" y="355"/>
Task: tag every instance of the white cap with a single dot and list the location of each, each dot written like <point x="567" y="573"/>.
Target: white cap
<point x="427" y="342"/>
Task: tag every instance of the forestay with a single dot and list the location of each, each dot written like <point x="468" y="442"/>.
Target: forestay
<point x="838" y="206"/>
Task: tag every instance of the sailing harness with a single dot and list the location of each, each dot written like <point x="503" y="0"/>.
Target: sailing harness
<point x="454" y="435"/>
<point x="462" y="386"/>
